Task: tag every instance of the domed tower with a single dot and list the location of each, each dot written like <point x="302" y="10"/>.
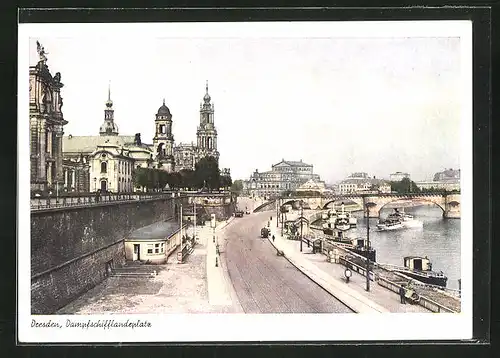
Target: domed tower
<point x="163" y="141"/>
<point x="206" y="133"/>
<point x="109" y="127"/>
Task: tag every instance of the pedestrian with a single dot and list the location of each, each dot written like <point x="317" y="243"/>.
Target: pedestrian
<point x="402" y="294"/>
<point x="273" y="238"/>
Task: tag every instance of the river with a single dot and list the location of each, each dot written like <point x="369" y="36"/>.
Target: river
<point x="439" y="240"/>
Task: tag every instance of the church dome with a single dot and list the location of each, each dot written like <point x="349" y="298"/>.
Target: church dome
<point x="207" y="98"/>
<point x="163" y="110"/>
<point x="108" y="128"/>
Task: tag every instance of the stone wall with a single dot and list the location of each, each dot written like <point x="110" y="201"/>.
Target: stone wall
<point x="70" y="247"/>
<point x="62" y="285"/>
<point x="222" y="212"/>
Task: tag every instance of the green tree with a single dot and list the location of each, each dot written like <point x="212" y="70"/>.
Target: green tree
<point x="174" y="180"/>
<point x="405" y="186"/>
<point x="140" y="178"/>
<point x="225" y="181"/>
<point x="207" y="172"/>
<point x="188" y="179"/>
<point x="237" y="187"/>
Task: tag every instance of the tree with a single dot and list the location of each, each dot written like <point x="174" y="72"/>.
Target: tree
<point x="225" y="181"/>
<point x="140" y="177"/>
<point x="207" y="172"/>
<point x="237" y="187"/>
<point x="189" y="179"/>
<point x="174" y="180"/>
<point x="405" y="186"/>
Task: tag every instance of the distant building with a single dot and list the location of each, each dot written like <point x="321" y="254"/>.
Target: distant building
<point x="448" y="175"/>
<point x="438" y="185"/>
<point x="316" y="186"/>
<point x="398" y="176"/>
<point x="285" y="175"/>
<point x="448" y="179"/>
<point x="360" y="182"/>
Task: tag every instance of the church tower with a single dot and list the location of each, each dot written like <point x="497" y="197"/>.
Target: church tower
<point x="109" y="127"/>
<point x="163" y="141"/>
<point x="206" y="133"/>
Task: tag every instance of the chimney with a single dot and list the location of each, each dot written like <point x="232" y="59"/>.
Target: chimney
<point x="137" y="139"/>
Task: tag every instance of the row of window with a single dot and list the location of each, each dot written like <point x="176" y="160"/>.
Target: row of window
<point x="123" y="167"/>
<point x="300" y="169"/>
<point x="156" y="248"/>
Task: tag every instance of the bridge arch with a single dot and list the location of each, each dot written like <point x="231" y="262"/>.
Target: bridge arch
<point x="357" y="201"/>
<point x="295" y="204"/>
<point x="439" y="204"/>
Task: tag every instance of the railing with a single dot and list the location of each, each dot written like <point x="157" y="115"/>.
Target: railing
<point x="70" y="201"/>
<point x="357" y="268"/>
<point x="43" y="203"/>
<point x="423" y="300"/>
<point x="361" y="195"/>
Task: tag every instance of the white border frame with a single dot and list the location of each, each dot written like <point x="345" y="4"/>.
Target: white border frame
<point x="236" y="327"/>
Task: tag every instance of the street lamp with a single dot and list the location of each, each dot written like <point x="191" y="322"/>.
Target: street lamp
<point x="277" y="210"/>
<point x="301" y="222"/>
<point x="367" y="247"/>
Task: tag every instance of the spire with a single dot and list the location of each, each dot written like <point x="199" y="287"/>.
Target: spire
<point x="109" y="102"/>
<point x="163" y="101"/>
<point x="206" y="98"/>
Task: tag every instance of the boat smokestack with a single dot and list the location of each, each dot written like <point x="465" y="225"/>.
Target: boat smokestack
<point x="342" y="207"/>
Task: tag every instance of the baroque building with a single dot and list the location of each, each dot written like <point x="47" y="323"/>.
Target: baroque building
<point x="46" y="125"/>
<point x="187" y="155"/>
<point x="106" y="162"/>
<point x="285" y="175"/>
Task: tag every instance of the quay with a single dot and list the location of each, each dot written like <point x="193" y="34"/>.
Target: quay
<point x="327" y="269"/>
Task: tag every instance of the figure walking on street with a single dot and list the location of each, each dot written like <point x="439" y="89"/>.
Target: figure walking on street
<point x="273" y="238"/>
<point x="402" y="294"/>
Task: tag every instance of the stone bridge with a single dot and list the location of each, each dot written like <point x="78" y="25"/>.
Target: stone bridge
<point x="448" y="202"/>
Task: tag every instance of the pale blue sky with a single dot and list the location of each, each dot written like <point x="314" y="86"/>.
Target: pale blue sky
<point x="377" y="105"/>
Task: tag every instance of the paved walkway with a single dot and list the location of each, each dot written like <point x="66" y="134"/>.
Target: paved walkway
<point x="331" y="277"/>
<point x="220" y="290"/>
<point x="191" y="287"/>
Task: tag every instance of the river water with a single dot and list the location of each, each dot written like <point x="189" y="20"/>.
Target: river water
<point x="438" y="239"/>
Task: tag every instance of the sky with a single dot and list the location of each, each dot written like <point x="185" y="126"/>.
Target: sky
<point x="342" y="103"/>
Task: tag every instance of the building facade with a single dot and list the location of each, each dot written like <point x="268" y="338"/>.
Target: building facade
<point x="46" y="126"/>
<point x="105" y="162"/>
<point x="362" y="183"/>
<point x="285" y="175"/>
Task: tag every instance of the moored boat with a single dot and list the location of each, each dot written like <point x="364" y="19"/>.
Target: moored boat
<point x="358" y="245"/>
<point x="420" y="268"/>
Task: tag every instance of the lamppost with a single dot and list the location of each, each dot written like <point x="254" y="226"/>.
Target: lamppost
<point x="277" y="210"/>
<point x="301" y="222"/>
<point x="367" y="246"/>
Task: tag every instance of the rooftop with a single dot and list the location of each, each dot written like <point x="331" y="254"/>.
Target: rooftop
<point x="87" y="144"/>
<point x="157" y="231"/>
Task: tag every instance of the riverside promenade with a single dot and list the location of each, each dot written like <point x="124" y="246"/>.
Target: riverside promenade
<point x="330" y="276"/>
